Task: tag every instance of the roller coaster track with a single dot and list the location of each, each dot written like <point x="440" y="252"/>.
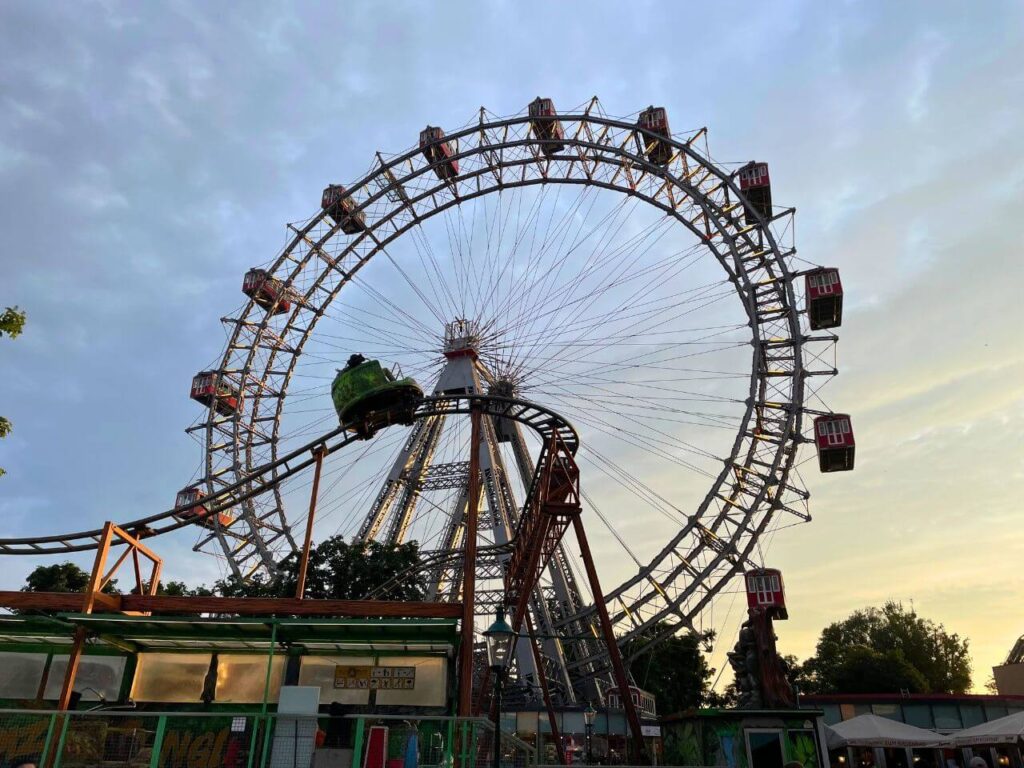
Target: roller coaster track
<point x="543" y="421"/>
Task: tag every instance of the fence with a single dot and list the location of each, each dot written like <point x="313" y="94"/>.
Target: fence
<point x="130" y="739"/>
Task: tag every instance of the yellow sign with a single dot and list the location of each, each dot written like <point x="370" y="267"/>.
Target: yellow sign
<point x="354" y="676"/>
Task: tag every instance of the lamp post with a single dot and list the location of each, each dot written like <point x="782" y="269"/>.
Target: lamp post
<point x="589" y="715"/>
<point x="500" y="637"/>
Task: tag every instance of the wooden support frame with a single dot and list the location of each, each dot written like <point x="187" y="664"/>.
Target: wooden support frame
<point x="242" y="606"/>
<point x="95" y="597"/>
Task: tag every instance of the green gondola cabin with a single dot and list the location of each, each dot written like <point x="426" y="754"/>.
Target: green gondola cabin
<point x="368" y="396"/>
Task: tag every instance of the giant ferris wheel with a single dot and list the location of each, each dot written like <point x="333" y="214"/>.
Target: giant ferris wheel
<point x="603" y="268"/>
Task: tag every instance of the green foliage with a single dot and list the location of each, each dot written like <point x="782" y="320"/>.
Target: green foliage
<point x="12" y="321"/>
<point x="341" y="571"/>
<point x="886" y="650"/>
<point x="682" y="744"/>
<point x="176" y="589"/>
<point x="800" y="676"/>
<point x="865" y="670"/>
<point x="802" y="749"/>
<point x="675" y="671"/>
<point x="61" y="577"/>
<point x="181" y="589"/>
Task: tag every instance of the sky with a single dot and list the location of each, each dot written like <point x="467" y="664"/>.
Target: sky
<point x="149" y="155"/>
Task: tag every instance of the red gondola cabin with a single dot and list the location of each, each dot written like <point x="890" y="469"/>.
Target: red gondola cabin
<point x="546" y="126"/>
<point x="645" y="703"/>
<point x="824" y="298"/>
<point x="266" y="290"/>
<point x="833" y="437"/>
<point x="438" y="152"/>
<point x="341" y="208"/>
<point x="198" y="513"/>
<point x="756" y="186"/>
<point x="766" y="590"/>
<point x="221" y="397"/>
<point x="655" y="120"/>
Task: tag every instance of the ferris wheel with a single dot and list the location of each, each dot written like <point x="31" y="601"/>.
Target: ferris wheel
<point x="604" y="268"/>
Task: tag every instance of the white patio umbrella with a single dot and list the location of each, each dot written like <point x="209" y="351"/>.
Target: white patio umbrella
<point x="1005" y="730"/>
<point x="875" y="731"/>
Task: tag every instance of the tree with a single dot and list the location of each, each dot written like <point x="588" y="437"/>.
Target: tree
<point x="12" y="321"/>
<point x="62" y="577"/>
<point x="865" y="670"/>
<point x="674" y="670"/>
<point x="341" y="571"/>
<point x="915" y="653"/>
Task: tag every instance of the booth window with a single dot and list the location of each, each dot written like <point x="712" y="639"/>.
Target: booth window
<point x="20" y="674"/>
<point x="98" y="677"/>
<point x="891" y="711"/>
<point x="431" y="682"/>
<point x="919" y="715"/>
<point x="320" y="671"/>
<point x="242" y="678"/>
<point x="764" y="748"/>
<point x="947" y="716"/>
<point x="171" y="677"/>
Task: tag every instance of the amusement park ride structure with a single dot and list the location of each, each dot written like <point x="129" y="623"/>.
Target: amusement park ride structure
<point x="497" y="550"/>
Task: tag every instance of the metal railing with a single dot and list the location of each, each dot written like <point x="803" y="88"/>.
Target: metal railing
<point x="132" y="739"/>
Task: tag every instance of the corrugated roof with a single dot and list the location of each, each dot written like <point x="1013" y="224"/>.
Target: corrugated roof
<point x="166" y="633"/>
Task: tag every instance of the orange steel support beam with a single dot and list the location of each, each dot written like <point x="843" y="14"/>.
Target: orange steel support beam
<point x="300" y="586"/>
<point x="555" y="504"/>
<point x="618" y="668"/>
<point x="544" y="520"/>
<point x="469" y="570"/>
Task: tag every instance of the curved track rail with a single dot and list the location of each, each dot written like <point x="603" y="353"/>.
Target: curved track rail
<point x="542" y="420"/>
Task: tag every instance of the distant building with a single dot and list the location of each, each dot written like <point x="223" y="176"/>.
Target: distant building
<point x="1010" y="674"/>
<point x="935" y="711"/>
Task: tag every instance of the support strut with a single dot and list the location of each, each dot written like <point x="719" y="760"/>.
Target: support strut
<point x="469" y="570"/>
<point x="618" y="668"/>
<point x="300" y="585"/>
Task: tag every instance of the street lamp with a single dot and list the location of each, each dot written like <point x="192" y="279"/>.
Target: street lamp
<point x="589" y="715"/>
<point x="500" y="637"/>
